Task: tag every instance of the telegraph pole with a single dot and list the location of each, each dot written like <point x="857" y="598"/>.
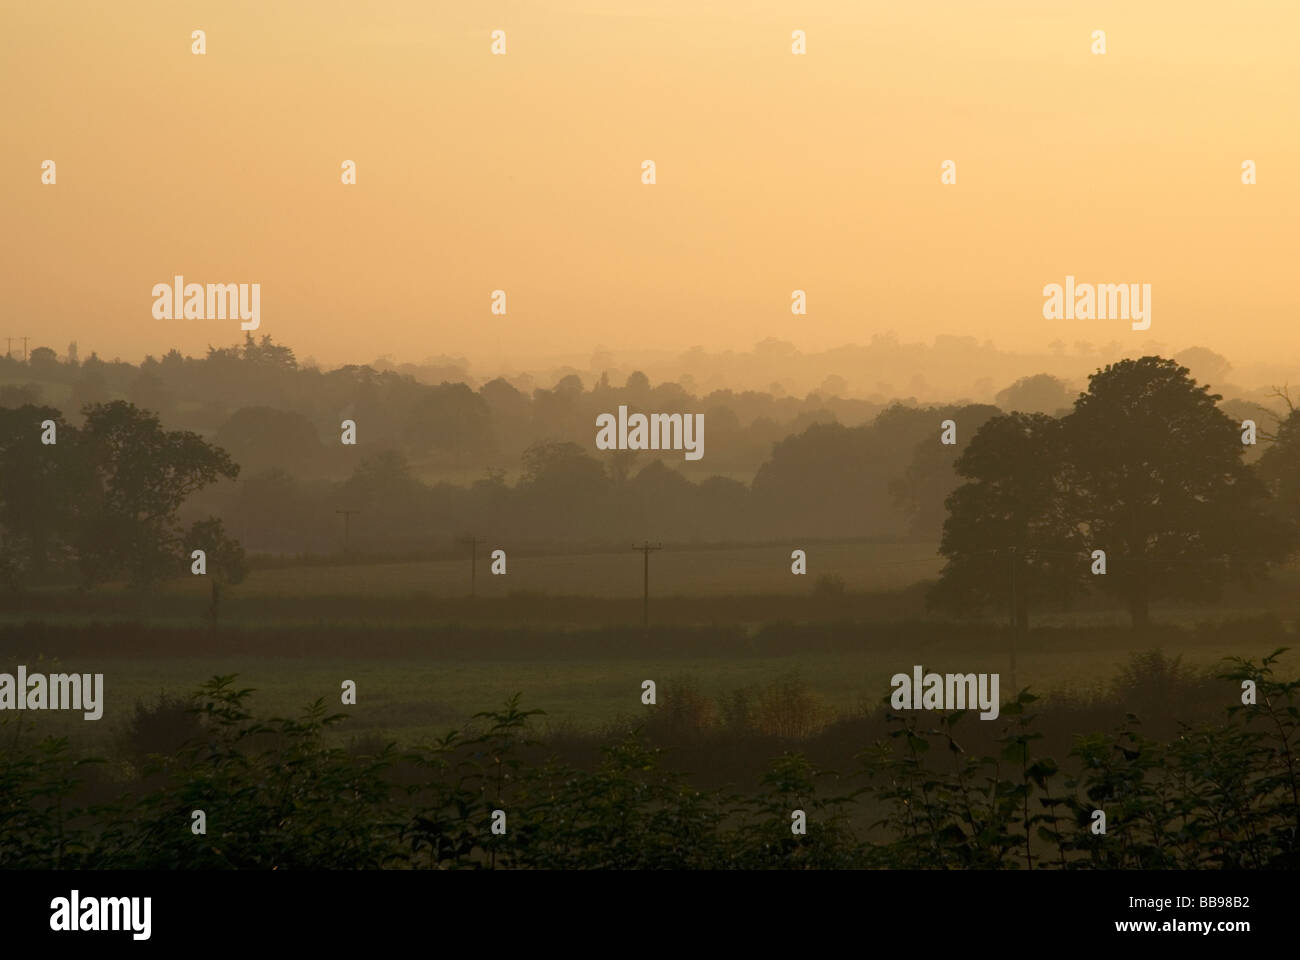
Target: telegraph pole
<point x="474" y="544"/>
<point x="25" y="339"/>
<point x="9" y="347"/>
<point x="646" y="550"/>
<point x="347" y="524"/>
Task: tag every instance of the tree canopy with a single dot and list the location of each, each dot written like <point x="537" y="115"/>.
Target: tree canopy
<point x="106" y="494"/>
<point x="1146" y="468"/>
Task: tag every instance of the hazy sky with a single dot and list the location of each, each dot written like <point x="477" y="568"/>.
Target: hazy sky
<point x="523" y="172"/>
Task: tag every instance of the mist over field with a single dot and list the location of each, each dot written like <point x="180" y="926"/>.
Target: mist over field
<point x="668" y="436"/>
<point x="407" y="554"/>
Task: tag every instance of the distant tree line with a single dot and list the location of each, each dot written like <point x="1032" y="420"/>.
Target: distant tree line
<point x="886" y="479"/>
<point x="269" y="410"/>
<point x="1147" y="467"/>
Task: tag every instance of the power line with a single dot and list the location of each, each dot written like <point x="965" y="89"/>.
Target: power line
<point x="646" y="550"/>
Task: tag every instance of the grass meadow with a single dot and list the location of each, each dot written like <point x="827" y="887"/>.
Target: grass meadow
<point x="744" y="677"/>
<point x="415" y="682"/>
<point x="724" y="621"/>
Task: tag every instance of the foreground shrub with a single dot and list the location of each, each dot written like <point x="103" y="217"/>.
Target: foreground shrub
<point x="1222" y="794"/>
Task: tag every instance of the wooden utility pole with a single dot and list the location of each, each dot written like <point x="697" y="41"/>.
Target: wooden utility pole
<point x="646" y="550"/>
<point x="25" y="339"/>
<point x="474" y="544"/>
<point x="347" y="524"/>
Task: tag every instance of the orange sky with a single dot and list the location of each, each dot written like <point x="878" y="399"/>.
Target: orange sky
<point x="522" y="172"/>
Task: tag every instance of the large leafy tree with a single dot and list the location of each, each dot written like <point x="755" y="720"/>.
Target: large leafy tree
<point x="1162" y="487"/>
<point x="263" y="437"/>
<point x="562" y="488"/>
<point x="1010" y="536"/>
<point x="1041" y="393"/>
<point x="1279" y="464"/>
<point x="931" y="474"/>
<point x="37" y="492"/>
<point x="137" y="475"/>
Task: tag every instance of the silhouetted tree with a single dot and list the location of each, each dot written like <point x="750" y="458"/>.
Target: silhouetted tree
<point x="821" y="481"/>
<point x="137" y="476"/>
<point x="37" y="492"/>
<point x="1012" y="520"/>
<point x="930" y="475"/>
<point x="1205" y="365"/>
<point x="1279" y="464"/>
<point x="268" y="353"/>
<point x="562" y="488"/>
<point x="1041" y="393"/>
<point x="1162" y="487"/>
<point x="449" y="419"/>
<point x="263" y="437"/>
<point x="44" y="362"/>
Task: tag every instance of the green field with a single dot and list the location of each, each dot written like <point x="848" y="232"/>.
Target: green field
<point x="564" y="631"/>
<point x="414" y="697"/>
